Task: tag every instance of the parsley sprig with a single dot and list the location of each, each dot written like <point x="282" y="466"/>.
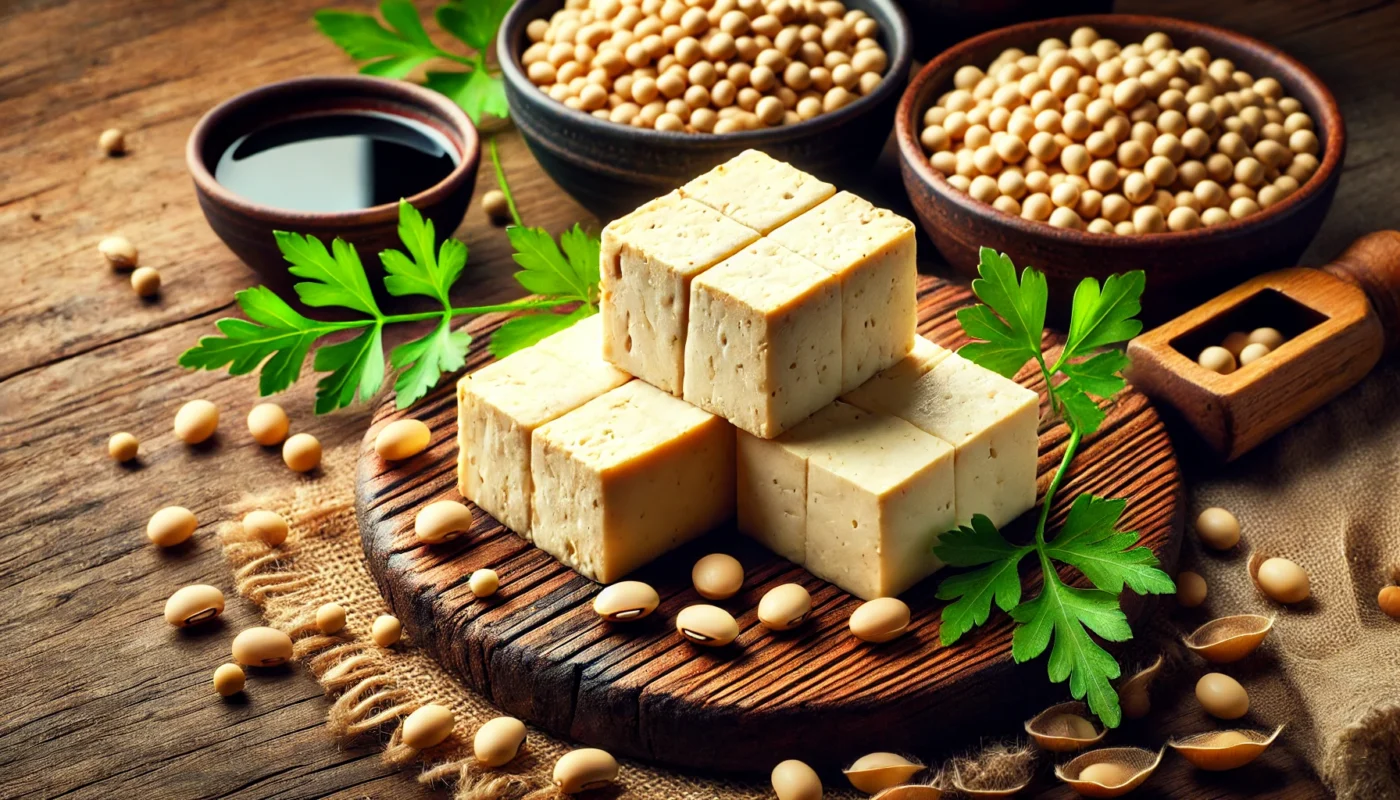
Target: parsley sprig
<point x="1009" y="327"/>
<point x="399" y="45"/>
<point x="276" y="339"/>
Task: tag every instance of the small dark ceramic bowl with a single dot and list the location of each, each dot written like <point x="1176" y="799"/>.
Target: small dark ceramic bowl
<point x="1182" y="267"/>
<point x="611" y="168"/>
<point x="246" y="226"/>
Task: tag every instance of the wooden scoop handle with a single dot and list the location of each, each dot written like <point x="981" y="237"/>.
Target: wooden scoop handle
<point x="1372" y="263"/>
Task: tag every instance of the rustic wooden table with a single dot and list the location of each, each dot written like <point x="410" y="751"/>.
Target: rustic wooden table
<point x="98" y="696"/>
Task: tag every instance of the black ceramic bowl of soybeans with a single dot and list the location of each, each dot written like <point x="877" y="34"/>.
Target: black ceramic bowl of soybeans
<point x="330" y="157"/>
<point x="1183" y="266"/>
<point x="611" y="168"/>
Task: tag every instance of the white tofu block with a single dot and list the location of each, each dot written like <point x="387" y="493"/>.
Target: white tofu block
<point x="499" y="407"/>
<point x="763" y="348"/>
<point x="772" y="483"/>
<point x="871" y="252"/>
<point x="992" y="422"/>
<point x="581" y="342"/>
<point x="899" y="380"/>
<point x="627" y="477"/>
<point x="758" y="191"/>
<point x="879" y="493"/>
<point x="648" y="260"/>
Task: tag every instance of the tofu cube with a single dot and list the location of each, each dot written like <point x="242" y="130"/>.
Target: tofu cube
<point x="581" y="342"/>
<point x="857" y="498"/>
<point x="500" y="406"/>
<point x="758" y="191"/>
<point x="992" y="422"/>
<point x="871" y="253"/>
<point x="898" y="380"/>
<point x="772" y="485"/>
<point x="879" y="493"/>
<point x="627" y="477"/>
<point x="763" y="348"/>
<point x="648" y="260"/>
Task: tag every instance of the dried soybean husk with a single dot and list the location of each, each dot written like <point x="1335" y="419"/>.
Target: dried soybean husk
<point x="1054" y="729"/>
<point x="1000" y="770"/>
<point x="1228" y="639"/>
<point x="1222" y="750"/>
<point x="911" y="791"/>
<point x="876" y="771"/>
<point x="1137" y="764"/>
<point x="1133" y="693"/>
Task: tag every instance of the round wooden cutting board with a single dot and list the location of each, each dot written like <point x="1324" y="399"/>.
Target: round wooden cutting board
<point x="537" y="650"/>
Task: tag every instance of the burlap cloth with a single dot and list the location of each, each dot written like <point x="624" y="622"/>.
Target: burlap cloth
<point x="1325" y="494"/>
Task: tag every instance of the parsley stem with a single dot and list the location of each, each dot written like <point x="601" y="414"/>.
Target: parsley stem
<point x="515" y="305"/>
<point x="501" y="181"/>
<point x="1070" y="450"/>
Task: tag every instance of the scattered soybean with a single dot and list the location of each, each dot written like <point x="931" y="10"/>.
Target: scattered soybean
<point x="267" y="526"/>
<point x="171" y="525"/>
<point x="626" y="601"/>
<point x="301" y="452"/>
<point x="194" y="604"/>
<point x="262" y="647"/>
<point x="196" y="421"/>
<point x="401" y="439"/>
<point x="386" y="630"/>
<point x="268" y="424"/>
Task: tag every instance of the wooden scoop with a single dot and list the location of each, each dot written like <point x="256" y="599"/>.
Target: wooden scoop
<point x="1338" y="321"/>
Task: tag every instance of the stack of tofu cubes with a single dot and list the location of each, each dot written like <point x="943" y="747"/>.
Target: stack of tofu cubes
<point x="755" y="357"/>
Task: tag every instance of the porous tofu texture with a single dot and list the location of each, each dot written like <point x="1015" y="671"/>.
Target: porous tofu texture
<point x="871" y="252"/>
<point x="627" y="477"/>
<point x="763" y="347"/>
<point x="857" y="498"/>
<point x="499" y="407"/>
<point x="879" y="493"/>
<point x="992" y="422"/>
<point x="648" y="260"/>
<point x="758" y="191"/>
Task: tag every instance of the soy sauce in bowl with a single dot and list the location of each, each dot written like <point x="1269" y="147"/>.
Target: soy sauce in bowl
<point x="339" y="161"/>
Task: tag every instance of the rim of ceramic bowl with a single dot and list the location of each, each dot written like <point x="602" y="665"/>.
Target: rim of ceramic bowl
<point x="349" y="86"/>
<point x="901" y="56"/>
<point x="909" y="117"/>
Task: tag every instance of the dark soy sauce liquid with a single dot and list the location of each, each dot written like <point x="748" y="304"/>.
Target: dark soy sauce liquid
<point x="344" y="161"/>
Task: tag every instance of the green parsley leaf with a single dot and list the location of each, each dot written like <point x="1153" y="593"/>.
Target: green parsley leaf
<point x="1081" y="412"/>
<point x="1063" y="613"/>
<point x="1099" y="376"/>
<point x="973" y="592"/>
<point x="1100" y="318"/>
<point x="278" y="338"/>
<point x="421" y="273"/>
<point x="546" y="271"/>
<point x="392" y="52"/>
<point x="423" y="361"/>
<point x="521" y="332"/>
<point x="477" y="92"/>
<point x="1012" y="320"/>
<point x="355" y="366"/>
<point x="474" y="22"/>
<point x="1090" y="542"/>
<point x="332" y="280"/>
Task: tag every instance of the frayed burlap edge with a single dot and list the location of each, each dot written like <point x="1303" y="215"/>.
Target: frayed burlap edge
<point x="1365" y="760"/>
<point x="355" y="673"/>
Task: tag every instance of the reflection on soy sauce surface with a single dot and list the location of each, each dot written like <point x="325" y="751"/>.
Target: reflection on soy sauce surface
<point x="344" y="161"/>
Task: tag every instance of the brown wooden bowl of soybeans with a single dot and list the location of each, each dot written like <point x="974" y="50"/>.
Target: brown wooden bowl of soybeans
<point x="1091" y="145"/>
<point x="623" y="100"/>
